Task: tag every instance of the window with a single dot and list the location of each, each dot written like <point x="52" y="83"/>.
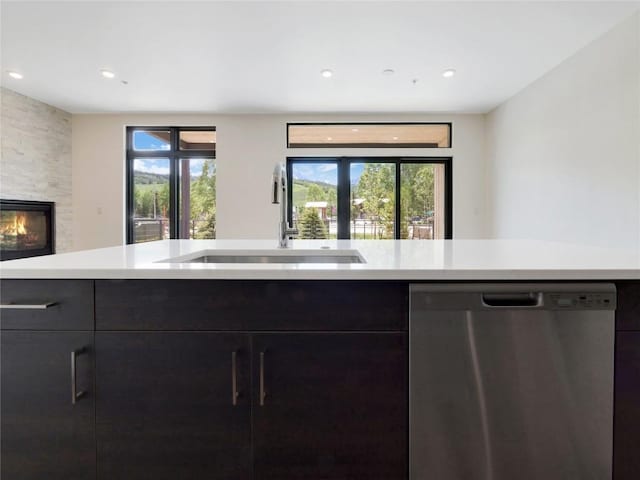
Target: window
<point x="171" y="183"/>
<point x="367" y="135"/>
<point x="371" y="198"/>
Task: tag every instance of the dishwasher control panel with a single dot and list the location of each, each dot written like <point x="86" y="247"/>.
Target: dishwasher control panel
<point x="593" y="301"/>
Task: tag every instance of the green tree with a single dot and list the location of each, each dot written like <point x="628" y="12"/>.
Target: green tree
<point x="332" y="198"/>
<point x="421" y="178"/>
<point x="417" y="194"/>
<point x="163" y="200"/>
<point x="376" y="187"/>
<point x="315" y="193"/>
<point x="311" y="225"/>
<point x="207" y="229"/>
<point x="143" y="198"/>
<point x="146" y="195"/>
<point x="203" y="202"/>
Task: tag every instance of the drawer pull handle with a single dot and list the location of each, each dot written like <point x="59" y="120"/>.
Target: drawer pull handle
<point x="75" y="394"/>
<point x="234" y="379"/>
<point x="27" y="306"/>
<point x="263" y="392"/>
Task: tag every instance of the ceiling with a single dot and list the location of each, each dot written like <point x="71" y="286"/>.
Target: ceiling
<point x="263" y="57"/>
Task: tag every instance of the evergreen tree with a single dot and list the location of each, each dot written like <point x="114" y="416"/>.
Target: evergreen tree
<point x="311" y="225"/>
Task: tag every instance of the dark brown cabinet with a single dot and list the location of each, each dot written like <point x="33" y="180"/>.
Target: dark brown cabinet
<point x="320" y="369"/>
<point x="626" y="431"/>
<point x="626" y="461"/>
<point x="186" y="405"/>
<point x="251" y="305"/>
<point x="330" y="406"/>
<point x="47" y="432"/>
<point x="55" y="304"/>
<point x="234" y="380"/>
<point x="173" y="406"/>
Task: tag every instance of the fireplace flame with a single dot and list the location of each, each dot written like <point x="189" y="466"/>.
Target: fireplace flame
<point x="17" y="227"/>
<point x="20" y="222"/>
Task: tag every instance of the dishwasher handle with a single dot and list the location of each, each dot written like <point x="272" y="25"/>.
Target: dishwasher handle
<point x="511" y="299"/>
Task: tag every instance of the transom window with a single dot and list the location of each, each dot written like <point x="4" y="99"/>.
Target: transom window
<point x="371" y="198"/>
<point x="171" y="183"/>
<point x="369" y="135"/>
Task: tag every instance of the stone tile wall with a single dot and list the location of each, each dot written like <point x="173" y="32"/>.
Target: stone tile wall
<point x="35" y="158"/>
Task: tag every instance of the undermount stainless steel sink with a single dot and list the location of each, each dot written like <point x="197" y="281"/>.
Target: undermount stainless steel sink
<point x="270" y="256"/>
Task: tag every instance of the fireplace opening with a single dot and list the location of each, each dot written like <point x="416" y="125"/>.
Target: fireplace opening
<point x="26" y="229"/>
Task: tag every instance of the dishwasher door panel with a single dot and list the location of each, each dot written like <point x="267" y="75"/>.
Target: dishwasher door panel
<point x="511" y="394"/>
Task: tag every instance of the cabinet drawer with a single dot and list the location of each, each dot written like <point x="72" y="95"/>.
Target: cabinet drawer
<point x="46" y="304"/>
<point x="250" y="305"/>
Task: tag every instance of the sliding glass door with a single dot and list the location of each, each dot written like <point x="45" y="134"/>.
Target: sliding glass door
<point x="371" y="198"/>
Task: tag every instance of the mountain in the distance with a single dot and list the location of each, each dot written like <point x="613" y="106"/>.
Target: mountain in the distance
<point x="149" y="178"/>
<point x="145" y="178"/>
<point x="320" y="176"/>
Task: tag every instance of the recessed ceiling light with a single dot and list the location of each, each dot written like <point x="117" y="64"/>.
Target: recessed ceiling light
<point x="388" y="72"/>
<point x="326" y="73"/>
<point x="329" y="139"/>
<point x="16" y="75"/>
<point x="107" y="73"/>
<point x="450" y="72"/>
<point x="395" y="138"/>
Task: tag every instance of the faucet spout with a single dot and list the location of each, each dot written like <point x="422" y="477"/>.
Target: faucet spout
<point x="279" y="195"/>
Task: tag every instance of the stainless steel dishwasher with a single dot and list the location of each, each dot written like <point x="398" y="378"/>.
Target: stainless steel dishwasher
<point x="511" y="381"/>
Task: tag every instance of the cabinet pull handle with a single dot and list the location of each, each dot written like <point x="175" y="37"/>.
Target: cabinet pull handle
<point x="27" y="306"/>
<point x="263" y="393"/>
<point x="75" y="394"/>
<point x="234" y="379"/>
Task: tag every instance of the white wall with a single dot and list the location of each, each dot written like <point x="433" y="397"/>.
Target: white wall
<point x="248" y="146"/>
<point x="563" y="155"/>
<point x="35" y="159"/>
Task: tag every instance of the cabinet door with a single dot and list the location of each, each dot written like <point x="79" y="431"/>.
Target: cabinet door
<point x="330" y="406"/>
<point x="45" y="432"/>
<point x="166" y="407"/>
<point x="626" y="461"/>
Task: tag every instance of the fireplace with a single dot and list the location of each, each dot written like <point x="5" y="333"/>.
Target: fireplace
<point x="26" y="229"/>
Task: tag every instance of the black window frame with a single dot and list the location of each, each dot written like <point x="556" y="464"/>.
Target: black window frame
<point x="367" y="145"/>
<point x="343" y="189"/>
<point x="174" y="154"/>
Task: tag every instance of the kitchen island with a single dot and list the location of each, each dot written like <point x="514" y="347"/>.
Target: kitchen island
<point x="438" y="260"/>
<point x="128" y="364"/>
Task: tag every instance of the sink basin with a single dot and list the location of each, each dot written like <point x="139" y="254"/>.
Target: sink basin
<point x="270" y="256"/>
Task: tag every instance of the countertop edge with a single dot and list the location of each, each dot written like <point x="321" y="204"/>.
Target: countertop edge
<point x="368" y="275"/>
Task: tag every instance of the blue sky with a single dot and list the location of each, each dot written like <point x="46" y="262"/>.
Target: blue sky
<point x="142" y="141"/>
<point x="324" y="172"/>
<point x="160" y="166"/>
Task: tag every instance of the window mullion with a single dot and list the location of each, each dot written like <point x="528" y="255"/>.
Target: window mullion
<point x="130" y="188"/>
<point x="344" y="199"/>
<point x="397" y="233"/>
<point x="173" y="185"/>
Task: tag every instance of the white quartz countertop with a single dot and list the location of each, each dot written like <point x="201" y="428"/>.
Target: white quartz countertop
<point x="442" y="260"/>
